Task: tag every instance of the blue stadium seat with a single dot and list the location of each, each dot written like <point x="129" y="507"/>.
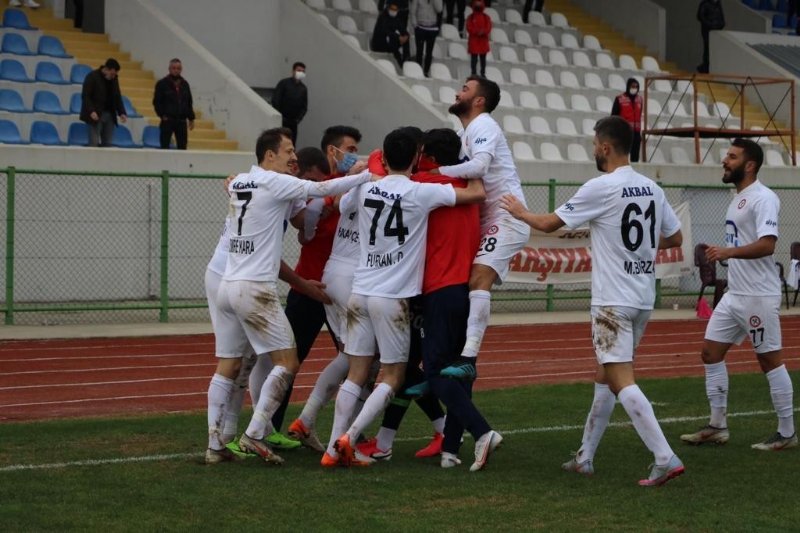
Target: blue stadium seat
<point x="49" y="72"/>
<point x="751" y="3"/>
<point x="78" y="134"/>
<point x="78" y="72"/>
<point x="129" y="109"/>
<point x="15" y="18"/>
<point x="51" y="46"/>
<point x="43" y="132"/>
<point x="122" y="138"/>
<point x="779" y="20"/>
<point x="14" y="43"/>
<point x="151" y="137"/>
<point x="11" y="100"/>
<point x="75" y="102"/>
<point x="9" y="133"/>
<point x="48" y="102"/>
<point x="13" y="70"/>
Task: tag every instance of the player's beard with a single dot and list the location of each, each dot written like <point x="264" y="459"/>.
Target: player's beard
<point x="734" y="176"/>
<point x="601" y="162"/>
<point x="460" y="108"/>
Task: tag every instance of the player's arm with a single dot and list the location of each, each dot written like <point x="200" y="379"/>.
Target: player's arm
<point x="472" y="169"/>
<point x="547" y="223"/>
<point x="762" y="247"/>
<point x="673" y="241"/>
<point x="311" y="288"/>
<point x="473" y="193"/>
<point x="336" y="186"/>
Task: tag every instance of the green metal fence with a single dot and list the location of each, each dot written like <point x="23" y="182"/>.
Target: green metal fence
<point x="84" y="247"/>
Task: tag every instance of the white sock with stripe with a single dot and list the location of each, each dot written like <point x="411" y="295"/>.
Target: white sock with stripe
<point x="272" y="393"/>
<point x="324" y="389"/>
<point x="375" y="405"/>
<point x="596" y="422"/>
<point x="258" y="376"/>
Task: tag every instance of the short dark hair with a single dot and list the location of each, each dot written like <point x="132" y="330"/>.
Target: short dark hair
<point x="298" y="64"/>
<point x="415" y="132"/>
<point x="399" y="149"/>
<point x="443" y="145"/>
<point x="335" y="134"/>
<point x="112" y="63"/>
<point x="174" y="60"/>
<point x="617" y="132"/>
<point x="310" y="157"/>
<point x="752" y="151"/>
<point x="270" y="140"/>
<point x="489" y="90"/>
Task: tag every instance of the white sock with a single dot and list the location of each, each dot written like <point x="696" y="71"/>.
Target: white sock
<point x="258" y="376"/>
<point x="374" y="406"/>
<point x="644" y="420"/>
<point x="479" y="308"/>
<point x="780" y="388"/>
<point x="219" y="392"/>
<point x="596" y="422"/>
<point x="324" y="389"/>
<point x="717" y="392"/>
<point x="272" y="393"/>
<point x="345" y="403"/>
<point x="438" y="425"/>
<point x="231" y="424"/>
<point x="385" y="438"/>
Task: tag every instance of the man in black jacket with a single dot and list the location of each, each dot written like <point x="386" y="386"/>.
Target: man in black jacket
<point x="390" y="35"/>
<point x="711" y="17"/>
<point x="172" y="101"/>
<point x="101" y="102"/>
<point x="290" y="98"/>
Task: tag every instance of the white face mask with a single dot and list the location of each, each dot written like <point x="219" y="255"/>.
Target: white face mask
<point x="392" y="14"/>
<point x="634" y="92"/>
<point x="299" y="75"/>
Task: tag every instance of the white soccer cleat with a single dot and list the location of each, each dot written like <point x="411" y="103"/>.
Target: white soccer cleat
<point x="449" y="460"/>
<point x="484" y="446"/>
<point x="709" y="433"/>
<point x="260" y="448"/>
<point x="660" y="474"/>
<point x="219" y="456"/>
<point x="776" y="443"/>
<point x="31" y="4"/>
<point x="15" y="3"/>
<point x="586" y="467"/>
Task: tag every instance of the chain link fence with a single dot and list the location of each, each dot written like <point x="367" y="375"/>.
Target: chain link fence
<point x="124" y="247"/>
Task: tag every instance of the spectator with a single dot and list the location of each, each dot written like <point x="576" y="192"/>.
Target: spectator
<point x="172" y="100"/>
<point x="479" y="27"/>
<point x="77" y="15"/>
<point x="456" y="8"/>
<point x="536" y="5"/>
<point x="792" y="9"/>
<point x="403" y="11"/>
<point x="28" y="3"/>
<point x="291" y="98"/>
<point x="390" y="35"/>
<point x="425" y="19"/>
<point x="628" y="105"/>
<point x="102" y="102"/>
<point x="711" y="17"/>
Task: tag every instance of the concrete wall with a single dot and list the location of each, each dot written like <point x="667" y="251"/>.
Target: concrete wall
<point x="649" y="30"/>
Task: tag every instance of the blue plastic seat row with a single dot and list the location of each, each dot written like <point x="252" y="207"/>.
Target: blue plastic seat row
<point x="48" y="102"/>
<point x="43" y="132"/>
<point x="16" y="18"/>
<point x="13" y="43"/>
<point x="46" y="71"/>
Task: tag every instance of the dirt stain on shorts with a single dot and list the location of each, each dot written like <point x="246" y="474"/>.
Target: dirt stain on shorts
<point x="351" y="319"/>
<point x="267" y="304"/>
<point x="605" y="329"/>
<point x="402" y="320"/>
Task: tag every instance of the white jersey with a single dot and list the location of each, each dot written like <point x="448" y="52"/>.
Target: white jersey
<point x="484" y="136"/>
<point x="626" y="212"/>
<point x="260" y="202"/>
<point x="345" y="241"/>
<point x="752" y="214"/>
<point x="393" y="229"/>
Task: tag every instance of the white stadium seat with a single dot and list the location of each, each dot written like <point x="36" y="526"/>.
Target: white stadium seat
<point x="316" y="4"/>
<point x="679" y="156"/>
<point x="588" y="126"/>
<point x="533" y="56"/>
<point x="546" y="39"/>
<point x="657" y="157"/>
<point x="557" y="57"/>
<point x="591" y="42"/>
<point x="580" y="103"/>
<point x="617" y="82"/>
<point x="439" y="71"/>
<point x="523" y="38"/>
<point x="423" y="92"/>
<point x="495" y="74"/>
<point x="457" y="51"/>
<point x="346" y="24"/>
<point x="413" y="70"/>
<point x="568" y="79"/>
<point x="512" y="124"/>
<point x="505" y="99"/>
<point x="536" y="18"/>
<point x="662" y="86"/>
<point x="499" y="36"/>
<point x="605" y="61"/>
<point x="581" y="59"/>
<point x="342" y="5"/>
<point x="528" y="100"/>
<point x="773" y="158"/>
<point x="540" y="126"/>
<point x="544" y="78"/>
<point x="565" y="126"/>
<point x="555" y="101"/>
<point x="569" y="41"/>
<point x="368" y="6"/>
<point x="450" y="32"/>
<point x="387" y="65"/>
<point x="577" y="153"/>
<point x="627" y="62"/>
<point x="513" y="17"/>
<point x="550" y="152"/>
<point x="522" y="151"/>
<point x="447" y="95"/>
<point x="603" y="103"/>
<point x="518" y="76"/>
<point x="593" y="81"/>
<point x="493" y="14"/>
<point x="508" y="55"/>
<point x="650" y="64"/>
<point x="558" y="20"/>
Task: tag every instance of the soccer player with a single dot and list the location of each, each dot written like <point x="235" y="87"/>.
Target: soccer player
<point x="248" y="303"/>
<point x="392" y="224"/>
<point x="751" y="307"/>
<point x="630" y="220"/>
<point x="488" y="157"/>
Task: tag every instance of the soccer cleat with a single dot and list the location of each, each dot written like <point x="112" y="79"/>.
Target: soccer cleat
<point x="461" y="370"/>
<point x="433" y="448"/>
<point x="280" y="441"/>
<point x="707" y="433"/>
<point x="233" y="446"/>
<point x="359" y="459"/>
<point x="307" y="436"/>
<point x="484" y="446"/>
<point x="328" y="461"/>
<point x="260" y="448"/>
<point x="660" y="474"/>
<point x="449" y="460"/>
<point x="370" y="448"/>
<point x="776" y="443"/>
<point x="344" y="449"/>
<point x="416" y="391"/>
<point x="586" y="467"/>
<point x="219" y="456"/>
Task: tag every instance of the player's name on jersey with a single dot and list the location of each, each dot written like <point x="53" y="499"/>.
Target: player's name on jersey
<point x="639" y="267"/>
<point x="383" y="194"/>
<point x="347" y="234"/>
<point x="383" y="260"/>
<point x="243" y="185"/>
<point x="241" y="246"/>
<point x="628" y="192"/>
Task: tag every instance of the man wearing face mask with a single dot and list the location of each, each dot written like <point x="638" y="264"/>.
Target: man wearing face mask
<point x="172" y="100"/>
<point x="290" y="98"/>
<point x="391" y="34"/>
<point x="628" y="105"/>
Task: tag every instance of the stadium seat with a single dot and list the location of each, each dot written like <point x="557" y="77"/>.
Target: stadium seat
<point x="151" y="137"/>
<point x="657" y="157"/>
<point x="49" y="73"/>
<point x="387" y="65"/>
<point x="368" y="6"/>
<point x="493" y="14"/>
<point x="518" y="76"/>
<point x="650" y="64"/>
<point x="550" y="152"/>
<point x="52" y="46"/>
<point x="546" y="39"/>
<point x="15" y="18"/>
<point x="522" y="151"/>
<point x="316" y="4"/>
<point x="523" y="38"/>
<point x="450" y="32"/>
<point x="603" y="103"/>
<point x="588" y="126"/>
<point x="540" y="126"/>
<point x="9" y="133"/>
<point x="423" y="92"/>
<point x="557" y="57"/>
<point x="533" y="56"/>
<point x="505" y="100"/>
<point x="14" y="43"/>
<point x="512" y="124"/>
<point x="679" y="156"/>
<point x="48" y="102"/>
<point x="653" y="107"/>
<point x="447" y="95"/>
<point x="579" y="102"/>
<point x="581" y="59"/>
<point x="43" y="132"/>
<point x="78" y="134"/>
<point x="591" y="42"/>
<point x="457" y="51"/>
<point x="537" y="19"/>
<point x="413" y="70"/>
<point x="528" y="100"/>
<point x="577" y="153"/>
<point x="773" y="158"/>
<point x="11" y="101"/>
<point x="75" y="102"/>
<point x="662" y="86"/>
<point x="352" y="39"/>
<point x="346" y="24"/>
<point x="513" y="17"/>
<point x="78" y="72"/>
<point x="604" y="61"/>
<point x="13" y="70"/>
<point x="342" y="5"/>
<point x="627" y="62"/>
<point x="568" y="79"/>
<point x="559" y="20"/>
<point x="544" y="78"/>
<point x="568" y="40"/>
<point x="565" y="126"/>
<point x="617" y="82"/>
<point x="593" y="81"/>
<point x="439" y="71"/>
<point x="675" y="107"/>
<point x="499" y="36"/>
<point x="555" y="102"/>
<point x="122" y="138"/>
<point x="508" y="55"/>
<point x="495" y="74"/>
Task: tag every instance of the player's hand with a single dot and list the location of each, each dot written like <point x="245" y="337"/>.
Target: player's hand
<point x="314" y="289"/>
<point x="123" y="118"/>
<point x="718" y="253"/>
<point x="358" y="168"/>
<point x="510" y="203"/>
<point x="191" y="125"/>
<point x="228" y="181"/>
<point x="94" y="116"/>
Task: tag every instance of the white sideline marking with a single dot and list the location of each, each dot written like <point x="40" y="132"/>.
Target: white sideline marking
<point x="168" y="457"/>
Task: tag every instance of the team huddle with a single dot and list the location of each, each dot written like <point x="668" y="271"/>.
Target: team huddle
<point x="399" y="256"/>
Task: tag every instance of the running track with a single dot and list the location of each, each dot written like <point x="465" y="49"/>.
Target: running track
<point x="119" y="376"/>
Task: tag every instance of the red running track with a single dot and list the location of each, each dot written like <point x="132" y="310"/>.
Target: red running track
<point x="120" y="376"/>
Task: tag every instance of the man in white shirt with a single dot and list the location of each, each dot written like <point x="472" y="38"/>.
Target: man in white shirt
<point x="392" y="227"/>
<point x="630" y="220"/>
<point x="751" y="307"/>
<point x="487" y="156"/>
<point x="248" y="306"/>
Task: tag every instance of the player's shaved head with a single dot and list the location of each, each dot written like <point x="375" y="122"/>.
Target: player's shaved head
<point x="399" y="149"/>
<point x="442" y="145"/>
<point x="270" y="140"/>
<point x="616" y="132"/>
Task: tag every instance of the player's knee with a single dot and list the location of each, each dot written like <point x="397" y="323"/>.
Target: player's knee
<point x="229" y="368"/>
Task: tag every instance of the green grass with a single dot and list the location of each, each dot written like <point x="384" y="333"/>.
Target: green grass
<point x="725" y="488"/>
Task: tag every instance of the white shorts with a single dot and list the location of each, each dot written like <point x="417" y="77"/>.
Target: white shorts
<point x="616" y="332"/>
<point x="250" y="312"/>
<point x="338" y="280"/>
<point x="376" y="324"/>
<point x="501" y="239"/>
<point x="756" y="317"/>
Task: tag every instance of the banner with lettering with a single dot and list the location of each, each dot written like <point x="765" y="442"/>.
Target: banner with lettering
<point x="565" y="256"/>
